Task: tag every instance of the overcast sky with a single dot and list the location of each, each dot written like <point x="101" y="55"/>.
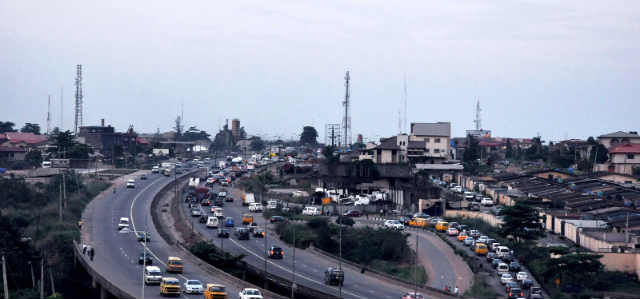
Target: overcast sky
<point x="558" y="68"/>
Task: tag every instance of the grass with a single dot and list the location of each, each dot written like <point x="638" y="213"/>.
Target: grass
<point x="403" y="272"/>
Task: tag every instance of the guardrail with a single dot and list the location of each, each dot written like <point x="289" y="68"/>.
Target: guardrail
<point x="97" y="277"/>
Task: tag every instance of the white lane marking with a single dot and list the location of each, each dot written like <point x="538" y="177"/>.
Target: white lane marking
<point x="285" y="269"/>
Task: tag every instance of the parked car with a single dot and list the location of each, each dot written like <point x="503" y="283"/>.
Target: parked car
<point x="352" y="213"/>
<point x="311" y="211"/>
<point x="486" y="201"/>
<point x="223" y="233"/>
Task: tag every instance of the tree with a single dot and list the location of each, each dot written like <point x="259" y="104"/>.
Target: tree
<point x="257" y="144"/>
<point x="575" y="271"/>
<point x="178" y="128"/>
<point x="537" y="150"/>
<point x="471" y="155"/>
<point x="509" y="152"/>
<point x="309" y="135"/>
<point x="63" y="140"/>
<point x="34" y="158"/>
<point x="6" y="127"/>
<point x="521" y="222"/>
<point x="598" y="152"/>
<point x="31" y="128"/>
<point x="193" y="134"/>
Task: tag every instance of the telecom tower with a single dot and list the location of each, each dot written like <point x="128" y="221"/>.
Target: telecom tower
<point x="78" y="110"/>
<point x="346" y="122"/>
<point x="332" y="135"/>
<point x="49" y="115"/>
<point x="478" y="121"/>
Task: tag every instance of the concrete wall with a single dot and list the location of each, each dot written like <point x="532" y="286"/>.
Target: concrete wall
<point x="625" y="262"/>
<point x="488" y="218"/>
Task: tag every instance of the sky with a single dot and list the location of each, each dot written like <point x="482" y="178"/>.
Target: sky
<point x="561" y="69"/>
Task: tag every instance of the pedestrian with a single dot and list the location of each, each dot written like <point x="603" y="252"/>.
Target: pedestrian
<point x="456" y="291"/>
<point x="84" y="249"/>
<point x="91" y="253"/>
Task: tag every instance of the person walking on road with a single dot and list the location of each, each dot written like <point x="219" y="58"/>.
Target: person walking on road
<point x="84" y="248"/>
<point x="91" y="253"/>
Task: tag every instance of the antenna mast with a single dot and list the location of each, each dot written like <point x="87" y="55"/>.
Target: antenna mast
<point x="49" y="115"/>
<point x="61" y="109"/>
<point x="78" y="116"/>
<point x="405" y="103"/>
<point x="478" y="120"/>
<point x="346" y="122"/>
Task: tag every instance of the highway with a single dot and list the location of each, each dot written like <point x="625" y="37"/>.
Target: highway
<point x="309" y="267"/>
<point x="116" y="254"/>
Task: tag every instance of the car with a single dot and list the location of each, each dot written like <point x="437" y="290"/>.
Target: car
<point x="223" y="233"/>
<point x="252" y="226"/>
<point x="275" y="253"/>
<point x="514" y="267"/>
<point x="452" y="231"/>
<point x="242" y="233"/>
<point x="170" y="286"/>
<point x="508" y="258"/>
<point x="249" y="293"/>
<point x="143" y="236"/>
<point x="152" y="275"/>
<point x="334" y="276"/>
<point x="145" y="258"/>
<point x="192" y="286"/>
<point x="272" y="205"/>
<point x="536" y="293"/>
<point x="515" y="293"/>
<point x="255" y="207"/>
<point x="174" y="264"/>
<point x="521" y="276"/>
<point x="505" y="277"/>
<point x="412" y="295"/>
<point x="510" y="285"/>
<point x="405" y="220"/>
<point x="311" y="211"/>
<point x="496" y="261"/>
<point x="483" y="239"/>
<point x="228" y="198"/>
<point x="229" y="222"/>
<point x="491" y="256"/>
<point x="218" y="212"/>
<point x="480" y="248"/>
<point x="155" y="169"/>
<point x="526" y="283"/>
<point x="352" y="213"/>
<point x="196" y="212"/>
<point x="215" y="291"/>
<point x="486" y="201"/>
<point x="143" y="177"/>
<point x="131" y="183"/>
<point x="394" y="224"/>
<point x="123" y="223"/>
<point x="468" y="241"/>
<point x="462" y="236"/>
<point x="276" y="219"/>
<point x="258" y="233"/>
<point x="474" y="233"/>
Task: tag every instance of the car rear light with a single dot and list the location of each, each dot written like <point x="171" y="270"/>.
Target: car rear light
<point x="271" y="252"/>
<point x="521" y="294"/>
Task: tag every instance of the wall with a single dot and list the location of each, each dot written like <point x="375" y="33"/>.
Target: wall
<point x="488" y="218"/>
<point x="619" y="178"/>
<point x="625" y="262"/>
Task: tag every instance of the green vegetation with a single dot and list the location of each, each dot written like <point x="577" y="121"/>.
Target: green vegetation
<point x="30" y="229"/>
<point x="521" y="222"/>
<point x="381" y="249"/>
<point x="481" y="289"/>
<point x="309" y="135"/>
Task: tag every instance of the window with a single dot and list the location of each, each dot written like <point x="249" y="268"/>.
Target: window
<point x="426" y="150"/>
<point x="437" y="150"/>
<point x="437" y="140"/>
<point x="630" y="156"/>
<point x="426" y="140"/>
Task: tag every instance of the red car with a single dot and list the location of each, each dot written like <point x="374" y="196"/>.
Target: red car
<point x="352" y="213"/>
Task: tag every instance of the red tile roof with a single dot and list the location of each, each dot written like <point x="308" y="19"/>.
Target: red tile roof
<point x="28" y="138"/>
<point x="626" y="149"/>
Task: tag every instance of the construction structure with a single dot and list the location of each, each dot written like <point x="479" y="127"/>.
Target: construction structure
<point x="78" y="107"/>
<point x="235" y="128"/>
<point x="346" y="121"/>
<point x="332" y="135"/>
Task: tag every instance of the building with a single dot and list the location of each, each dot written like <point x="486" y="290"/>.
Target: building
<point x="430" y="142"/>
<point x="235" y="129"/>
<point x="104" y="139"/>
<point x="614" y="139"/>
<point x="624" y="159"/>
<point x="25" y="141"/>
<point x="479" y="133"/>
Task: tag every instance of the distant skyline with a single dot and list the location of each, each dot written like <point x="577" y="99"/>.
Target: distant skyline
<point x="557" y="68"/>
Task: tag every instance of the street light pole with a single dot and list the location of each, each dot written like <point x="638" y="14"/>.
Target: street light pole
<point x="293" y="284"/>
<point x="265" y="251"/>
<point x="415" y="267"/>
<point x="340" y="238"/>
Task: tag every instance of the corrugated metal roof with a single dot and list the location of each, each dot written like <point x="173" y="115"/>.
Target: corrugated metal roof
<point x="620" y="134"/>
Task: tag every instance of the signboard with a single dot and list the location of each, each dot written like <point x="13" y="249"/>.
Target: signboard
<point x="60" y="163"/>
<point x="326" y="201"/>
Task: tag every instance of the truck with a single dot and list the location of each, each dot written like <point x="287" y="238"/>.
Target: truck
<point x="248" y="198"/>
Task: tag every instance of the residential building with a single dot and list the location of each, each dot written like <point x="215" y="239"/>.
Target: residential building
<point x="22" y="140"/>
<point x="614" y="139"/>
<point x="624" y="159"/>
<point x="436" y="138"/>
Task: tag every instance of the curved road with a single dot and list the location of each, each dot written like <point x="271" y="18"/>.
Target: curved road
<point x="116" y="254"/>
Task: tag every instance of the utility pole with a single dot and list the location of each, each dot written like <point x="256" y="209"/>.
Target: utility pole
<point x="64" y="191"/>
<point x="340" y="238"/>
<point x="293" y="284"/>
<point x="60" y="205"/>
<point x="53" y="286"/>
<point x="265" y="251"/>
<point x="4" y="278"/>
<point x="42" y="277"/>
<point x="33" y="277"/>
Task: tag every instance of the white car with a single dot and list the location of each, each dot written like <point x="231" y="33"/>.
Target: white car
<point x="272" y="205"/>
<point x="131" y="183"/>
<point x="311" y="211"/>
<point x="520" y="276"/>
<point x="249" y="293"/>
<point x="155" y="169"/>
<point x="193" y="286"/>
<point x="217" y="212"/>
<point x="394" y="224"/>
<point x="452" y="231"/>
<point x="486" y="201"/>
<point x="124" y="223"/>
<point x="152" y="275"/>
<point x="506" y="277"/>
<point x="255" y="207"/>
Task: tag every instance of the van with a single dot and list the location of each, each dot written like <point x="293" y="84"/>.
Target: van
<point x="247" y="218"/>
<point x="152" y="275"/>
<point x="502" y="251"/>
<point x="442" y="226"/>
<point x="215" y="291"/>
<point x="248" y="198"/>
<point x="218" y="212"/>
<point x="481" y="249"/>
<point x="502" y="268"/>
<point x="124" y="223"/>
<point x="174" y="264"/>
<point x="46" y="164"/>
<point x="212" y="222"/>
<point x="170" y="286"/>
<point x="272" y="205"/>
